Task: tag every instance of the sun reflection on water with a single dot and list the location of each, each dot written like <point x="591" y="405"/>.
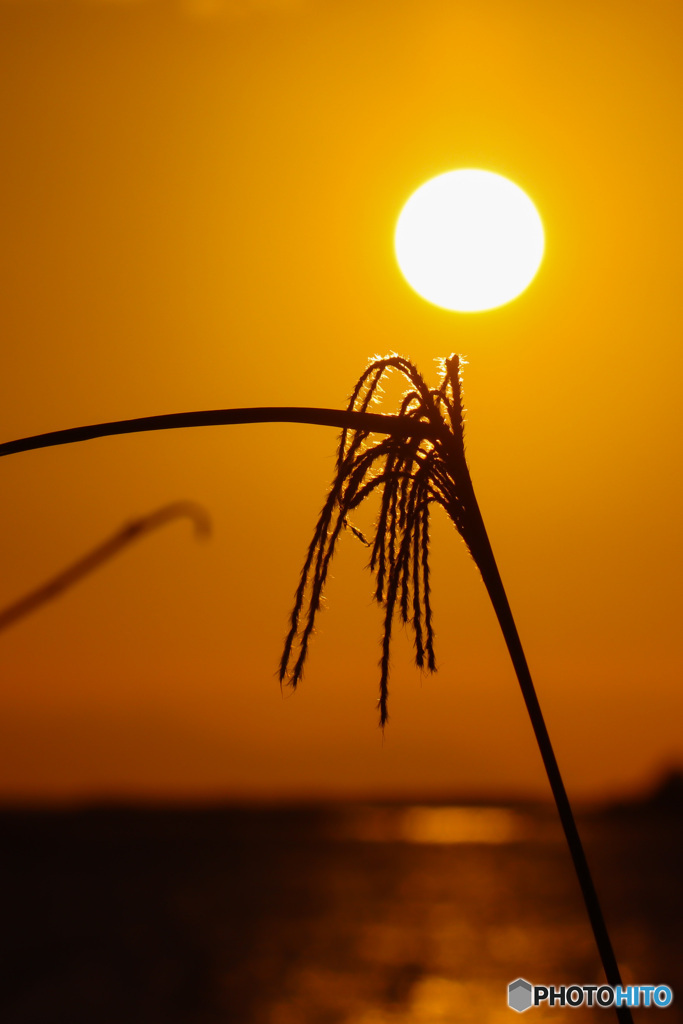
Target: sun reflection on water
<point x="441" y="825"/>
<point x="460" y="825"/>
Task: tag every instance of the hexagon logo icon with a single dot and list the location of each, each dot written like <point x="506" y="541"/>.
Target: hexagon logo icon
<point x="519" y="995"/>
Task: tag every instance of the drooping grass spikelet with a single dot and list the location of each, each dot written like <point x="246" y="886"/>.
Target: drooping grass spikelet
<point x="410" y="474"/>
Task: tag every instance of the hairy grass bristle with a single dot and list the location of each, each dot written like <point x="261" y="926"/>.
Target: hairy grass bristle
<point x="411" y="474"/>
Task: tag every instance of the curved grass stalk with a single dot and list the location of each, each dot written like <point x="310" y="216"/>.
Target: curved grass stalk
<point x="217" y="418"/>
<point x="102" y="553"/>
<point x="419" y="462"/>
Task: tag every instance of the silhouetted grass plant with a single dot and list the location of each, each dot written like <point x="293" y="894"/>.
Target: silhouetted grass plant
<point x="419" y="462"/>
<point x="411" y="474"/>
<point x="94" y="559"/>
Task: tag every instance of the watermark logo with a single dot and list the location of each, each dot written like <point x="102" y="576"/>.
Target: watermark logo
<point x="522" y="995"/>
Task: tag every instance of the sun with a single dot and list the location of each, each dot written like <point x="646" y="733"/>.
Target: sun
<point x="469" y="240"/>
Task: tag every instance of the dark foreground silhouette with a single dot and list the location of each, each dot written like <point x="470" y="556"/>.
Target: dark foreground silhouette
<point x="320" y="915"/>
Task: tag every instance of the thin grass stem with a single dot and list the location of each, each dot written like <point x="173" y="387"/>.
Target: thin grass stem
<point x="486" y="562"/>
<point x="347" y="420"/>
<point x="97" y="556"/>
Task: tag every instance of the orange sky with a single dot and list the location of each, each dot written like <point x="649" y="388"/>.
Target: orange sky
<point x="198" y="208"/>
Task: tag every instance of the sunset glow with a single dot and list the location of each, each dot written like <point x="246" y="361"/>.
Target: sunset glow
<point x="200" y="201"/>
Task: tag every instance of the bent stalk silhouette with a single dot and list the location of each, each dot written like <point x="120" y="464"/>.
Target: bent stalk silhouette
<point x="97" y="556"/>
<point x="419" y="463"/>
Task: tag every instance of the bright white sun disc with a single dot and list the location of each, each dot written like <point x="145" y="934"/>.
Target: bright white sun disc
<point x="469" y="240"/>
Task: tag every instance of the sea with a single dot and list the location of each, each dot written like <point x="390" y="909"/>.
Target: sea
<point x="395" y="913"/>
